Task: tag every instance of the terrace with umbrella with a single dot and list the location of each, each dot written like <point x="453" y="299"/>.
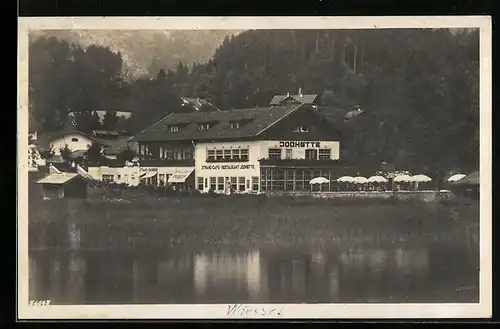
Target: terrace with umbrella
<point x="402" y="180"/>
<point x="345" y="180"/>
<point x="420" y="179"/>
<point x="377" y="182"/>
<point x="360" y="181"/>
<point x="319" y="181"/>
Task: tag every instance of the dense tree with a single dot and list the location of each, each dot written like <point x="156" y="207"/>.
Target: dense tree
<point x="65" y="77"/>
<point x="110" y="120"/>
<point x="124" y="125"/>
<point x="151" y="99"/>
<point x="65" y="153"/>
<point x="127" y="154"/>
<point x="420" y="106"/>
<point x="94" y="153"/>
<point x="418" y="87"/>
<point x="87" y="121"/>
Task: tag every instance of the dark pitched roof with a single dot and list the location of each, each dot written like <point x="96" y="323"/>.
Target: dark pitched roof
<point x="255" y="121"/>
<point x="115" y="145"/>
<point x="199" y="104"/>
<point x="302" y="99"/>
<point x="43" y="141"/>
<point x="105" y="133"/>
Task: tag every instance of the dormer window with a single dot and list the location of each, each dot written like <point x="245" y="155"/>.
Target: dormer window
<point x="301" y="129"/>
<point x="204" y="126"/>
<point x="174" y="128"/>
<point x="234" y="124"/>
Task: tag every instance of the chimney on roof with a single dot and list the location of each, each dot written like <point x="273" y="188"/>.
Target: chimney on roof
<point x="287" y="94"/>
<point x="300" y="92"/>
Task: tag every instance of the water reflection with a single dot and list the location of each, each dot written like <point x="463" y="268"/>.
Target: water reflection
<point x="228" y="276"/>
<point x="224" y="273"/>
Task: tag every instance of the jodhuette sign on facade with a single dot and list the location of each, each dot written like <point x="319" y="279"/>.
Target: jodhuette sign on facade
<point x="300" y="144"/>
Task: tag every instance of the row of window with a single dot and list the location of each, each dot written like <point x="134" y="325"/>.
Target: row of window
<point x="236" y="155"/>
<point x="165" y="153"/>
<point x="239" y="184"/>
<point x="273" y="179"/>
<point x="207" y="125"/>
<point x="160" y="180"/>
<point x="310" y="154"/>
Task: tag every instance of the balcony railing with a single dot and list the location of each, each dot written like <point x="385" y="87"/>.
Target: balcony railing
<point x="225" y="160"/>
<point x="143" y="161"/>
<point x="300" y="162"/>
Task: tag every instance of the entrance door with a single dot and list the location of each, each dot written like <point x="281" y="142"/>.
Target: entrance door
<point x="311" y="154"/>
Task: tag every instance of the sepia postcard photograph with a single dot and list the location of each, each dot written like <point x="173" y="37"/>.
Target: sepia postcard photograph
<point x="254" y="167"/>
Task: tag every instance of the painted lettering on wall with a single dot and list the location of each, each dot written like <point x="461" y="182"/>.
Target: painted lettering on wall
<point x="148" y="169"/>
<point x="225" y="167"/>
<point x="299" y="144"/>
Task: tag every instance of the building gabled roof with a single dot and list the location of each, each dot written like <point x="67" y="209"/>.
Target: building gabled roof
<point x="199" y="104"/>
<point x="299" y="98"/>
<point x="252" y="123"/>
<point x="58" y="179"/>
<point x="44" y="140"/>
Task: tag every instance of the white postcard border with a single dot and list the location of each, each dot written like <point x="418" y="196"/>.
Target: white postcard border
<point x="219" y="311"/>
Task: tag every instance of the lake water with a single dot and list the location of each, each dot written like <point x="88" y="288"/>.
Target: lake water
<point x="424" y="274"/>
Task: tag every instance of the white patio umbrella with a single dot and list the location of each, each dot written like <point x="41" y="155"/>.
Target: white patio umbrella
<point x="403" y="178"/>
<point x="319" y="180"/>
<point x="456" y="177"/>
<point x="421" y="178"/>
<point x="360" y="180"/>
<point x="345" y="179"/>
<point x="377" y="179"/>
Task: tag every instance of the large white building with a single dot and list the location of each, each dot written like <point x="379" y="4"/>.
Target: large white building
<point x="279" y="148"/>
<point x="75" y="140"/>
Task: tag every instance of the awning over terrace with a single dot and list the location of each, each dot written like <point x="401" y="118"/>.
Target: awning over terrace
<point x="180" y="175"/>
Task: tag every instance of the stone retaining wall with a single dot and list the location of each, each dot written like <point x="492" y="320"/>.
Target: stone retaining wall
<point x="427" y="196"/>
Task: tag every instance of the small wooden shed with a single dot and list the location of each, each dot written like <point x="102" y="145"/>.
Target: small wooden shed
<point x="63" y="185"/>
<point x="467" y="186"/>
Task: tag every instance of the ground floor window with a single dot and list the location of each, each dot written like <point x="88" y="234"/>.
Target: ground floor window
<point x="295" y="179"/>
<point x="220" y="183"/>
<point x="213" y="183"/>
<point x="255" y="183"/>
<point x="238" y="184"/>
<point x="241" y="184"/>
<point x="234" y="183"/>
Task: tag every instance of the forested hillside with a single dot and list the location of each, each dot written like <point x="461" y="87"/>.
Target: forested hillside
<point x="418" y="88"/>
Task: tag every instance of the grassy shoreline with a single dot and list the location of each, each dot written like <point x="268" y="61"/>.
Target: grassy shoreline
<point x="259" y="222"/>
